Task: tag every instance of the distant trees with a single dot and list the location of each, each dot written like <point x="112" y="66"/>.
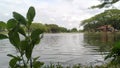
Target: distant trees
<point x="51" y="28"/>
<point x="74" y="30"/>
<point x="63" y="29"/>
<point x="48" y="28"/>
<point x="38" y="26"/>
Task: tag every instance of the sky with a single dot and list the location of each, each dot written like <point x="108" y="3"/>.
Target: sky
<point x="65" y="13"/>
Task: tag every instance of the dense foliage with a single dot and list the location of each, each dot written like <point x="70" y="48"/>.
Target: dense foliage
<point x="53" y="28"/>
<point x="108" y="17"/>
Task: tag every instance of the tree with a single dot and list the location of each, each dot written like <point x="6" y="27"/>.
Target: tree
<point x="52" y="28"/>
<point x="62" y="29"/>
<point x="114" y="53"/>
<point x="108" y="17"/>
<point x="74" y="30"/>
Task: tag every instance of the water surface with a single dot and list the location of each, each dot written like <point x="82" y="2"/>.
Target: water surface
<point x="65" y="48"/>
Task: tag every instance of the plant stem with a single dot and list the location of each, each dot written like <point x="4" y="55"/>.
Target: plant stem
<point x="30" y="62"/>
<point x="24" y="62"/>
<point x="30" y="46"/>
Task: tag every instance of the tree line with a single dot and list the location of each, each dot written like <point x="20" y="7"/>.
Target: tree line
<point x="52" y="28"/>
<point x="47" y="28"/>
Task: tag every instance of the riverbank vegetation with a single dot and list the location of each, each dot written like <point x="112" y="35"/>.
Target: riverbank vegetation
<point x="108" y="20"/>
<point x="82" y="66"/>
<point x="107" y="23"/>
<point x="47" y="28"/>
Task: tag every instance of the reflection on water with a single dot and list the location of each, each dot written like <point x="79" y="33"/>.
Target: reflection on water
<point x="103" y="41"/>
<point x="66" y="48"/>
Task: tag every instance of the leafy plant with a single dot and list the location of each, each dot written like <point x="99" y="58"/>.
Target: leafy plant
<point x="24" y="46"/>
<point x="114" y="54"/>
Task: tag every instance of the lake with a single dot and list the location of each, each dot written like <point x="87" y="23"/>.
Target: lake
<point x="65" y="48"/>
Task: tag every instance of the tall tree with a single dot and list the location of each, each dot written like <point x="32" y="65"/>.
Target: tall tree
<point x="108" y="17"/>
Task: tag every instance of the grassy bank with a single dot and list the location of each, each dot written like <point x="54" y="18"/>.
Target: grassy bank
<point x="109" y="65"/>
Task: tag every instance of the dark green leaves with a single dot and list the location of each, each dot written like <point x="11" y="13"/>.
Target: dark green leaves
<point x="28" y="51"/>
<point x="35" y="36"/>
<point x="105" y="3"/>
<point x="13" y="62"/>
<point x="19" y="18"/>
<point x="14" y="38"/>
<point x="24" y="44"/>
<point x="2" y="36"/>
<point x="30" y="15"/>
<point x="11" y="24"/>
<point x="37" y="64"/>
<point x="18" y="58"/>
<point x="21" y="31"/>
<point x="114" y="54"/>
<point x="99" y="6"/>
<point x="2" y="24"/>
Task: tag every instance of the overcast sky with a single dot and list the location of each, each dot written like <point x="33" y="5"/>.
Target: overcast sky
<point x="66" y="13"/>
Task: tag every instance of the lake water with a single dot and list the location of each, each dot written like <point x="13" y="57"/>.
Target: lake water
<point x="65" y="48"/>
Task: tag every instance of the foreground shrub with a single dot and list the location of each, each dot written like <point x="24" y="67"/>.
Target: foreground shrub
<point x="24" y="46"/>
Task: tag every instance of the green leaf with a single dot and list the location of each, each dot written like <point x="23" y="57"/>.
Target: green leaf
<point x="28" y="51"/>
<point x="10" y="55"/>
<point x="14" y="38"/>
<point x="35" y="36"/>
<point x="15" y="57"/>
<point x="117" y="44"/>
<point x="24" y="45"/>
<point x="2" y="36"/>
<point x="30" y="15"/>
<point x="2" y="24"/>
<point x="36" y="58"/>
<point x="19" y="18"/>
<point x="21" y="31"/>
<point x="37" y="64"/>
<point x="12" y="63"/>
<point x="36" y="41"/>
<point x="11" y="24"/>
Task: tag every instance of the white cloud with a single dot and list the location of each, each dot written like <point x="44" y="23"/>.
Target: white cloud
<point x="66" y="13"/>
<point x="52" y="19"/>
